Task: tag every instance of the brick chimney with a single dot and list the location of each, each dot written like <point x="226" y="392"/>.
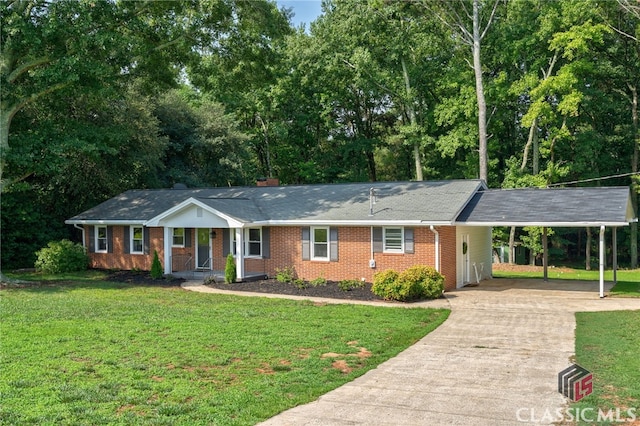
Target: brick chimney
<point x="268" y="182"/>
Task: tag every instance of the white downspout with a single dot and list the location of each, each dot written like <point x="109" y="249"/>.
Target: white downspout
<point x="437" y="246"/>
<point x="84" y="242"/>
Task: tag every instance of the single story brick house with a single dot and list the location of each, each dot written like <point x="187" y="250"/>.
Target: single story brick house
<point x="335" y="231"/>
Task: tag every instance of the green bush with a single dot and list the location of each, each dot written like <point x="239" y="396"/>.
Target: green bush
<point x="156" y="267"/>
<point x="230" y="273"/>
<point x="61" y="256"/>
<point x="348" y="285"/>
<point x="384" y="284"/>
<point x="415" y="283"/>
<point x="318" y="282"/>
<point x="286" y="274"/>
<point x="300" y="283"/>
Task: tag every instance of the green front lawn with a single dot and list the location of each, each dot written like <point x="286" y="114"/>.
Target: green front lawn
<point x="628" y="279"/>
<point x="93" y="352"/>
<point x="607" y="345"/>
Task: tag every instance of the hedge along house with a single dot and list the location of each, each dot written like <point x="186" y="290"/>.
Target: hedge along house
<point x="335" y="231"/>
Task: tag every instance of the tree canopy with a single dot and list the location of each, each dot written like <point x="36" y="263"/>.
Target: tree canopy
<point x="97" y="97"/>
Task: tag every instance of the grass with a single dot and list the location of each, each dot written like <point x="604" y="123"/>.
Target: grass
<point x="85" y="351"/>
<point x="607" y="345"/>
<point x="628" y="279"/>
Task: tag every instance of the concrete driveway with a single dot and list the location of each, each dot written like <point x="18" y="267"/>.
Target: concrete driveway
<point x="493" y="362"/>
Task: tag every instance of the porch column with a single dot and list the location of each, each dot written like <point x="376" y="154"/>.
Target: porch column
<point x="168" y="235"/>
<point x="239" y="254"/>
<point x="602" y="261"/>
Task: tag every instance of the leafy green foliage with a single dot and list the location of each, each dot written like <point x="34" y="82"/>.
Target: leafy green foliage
<point x="156" y="266"/>
<point x="415" y="283"/>
<point x="230" y="273"/>
<point x="286" y="274"/>
<point x="384" y="284"/>
<point x="348" y="285"/>
<point x="318" y="282"/>
<point x="61" y="256"/>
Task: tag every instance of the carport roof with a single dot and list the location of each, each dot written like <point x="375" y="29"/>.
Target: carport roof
<point x="563" y="207"/>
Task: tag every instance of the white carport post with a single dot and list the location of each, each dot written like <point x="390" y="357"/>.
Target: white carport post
<point x="614" y="242"/>
<point x="601" y="261"/>
<point x="167" y="250"/>
<point x="239" y="254"/>
<point x="545" y="254"/>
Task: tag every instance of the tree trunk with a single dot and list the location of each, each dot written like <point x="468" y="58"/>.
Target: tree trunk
<point x="482" y="105"/>
<point x="412" y="119"/>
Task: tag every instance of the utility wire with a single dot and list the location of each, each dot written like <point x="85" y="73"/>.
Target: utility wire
<point x="593" y="179"/>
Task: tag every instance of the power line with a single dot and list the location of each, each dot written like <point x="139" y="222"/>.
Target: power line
<point x="593" y="179"/>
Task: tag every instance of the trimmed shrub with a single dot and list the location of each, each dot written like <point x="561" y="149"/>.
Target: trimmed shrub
<point x="156" y="267"/>
<point x="230" y="270"/>
<point x="425" y="281"/>
<point x="61" y="256"/>
<point x="415" y="283"/>
<point x="384" y="284"/>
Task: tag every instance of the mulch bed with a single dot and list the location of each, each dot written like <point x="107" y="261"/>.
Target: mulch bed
<point x="329" y="290"/>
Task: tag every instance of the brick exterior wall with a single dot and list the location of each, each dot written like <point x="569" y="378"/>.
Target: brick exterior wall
<point x="354" y="253"/>
<point x="118" y="259"/>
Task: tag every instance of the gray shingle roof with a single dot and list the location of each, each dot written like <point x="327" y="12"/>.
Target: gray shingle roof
<point x="609" y="206"/>
<point x="436" y="202"/>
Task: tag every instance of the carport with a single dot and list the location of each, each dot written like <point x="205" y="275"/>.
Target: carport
<point x="598" y="207"/>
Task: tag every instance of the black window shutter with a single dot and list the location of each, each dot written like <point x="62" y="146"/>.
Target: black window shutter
<point x="266" y="242"/>
<point x="333" y="244"/>
<point x="306" y="247"/>
<point x="109" y="239"/>
<point x="91" y="238"/>
<point x="187" y="237"/>
<point x="146" y="240"/>
<point x="377" y="240"/>
<point x="226" y="242"/>
<point x="408" y="240"/>
<point x="127" y="240"/>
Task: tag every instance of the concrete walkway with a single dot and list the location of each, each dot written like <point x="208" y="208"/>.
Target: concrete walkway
<point x="494" y="361"/>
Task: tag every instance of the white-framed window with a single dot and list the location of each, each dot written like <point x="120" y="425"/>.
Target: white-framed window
<point x="393" y="239"/>
<point x="137" y="240"/>
<point x="101" y="239"/>
<point x="253" y="242"/>
<point x="320" y="243"/>
<point x="178" y="237"/>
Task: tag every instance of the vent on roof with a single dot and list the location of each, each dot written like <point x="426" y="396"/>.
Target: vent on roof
<point x="180" y="186"/>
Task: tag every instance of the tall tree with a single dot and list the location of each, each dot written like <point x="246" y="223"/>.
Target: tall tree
<point x="470" y="20"/>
